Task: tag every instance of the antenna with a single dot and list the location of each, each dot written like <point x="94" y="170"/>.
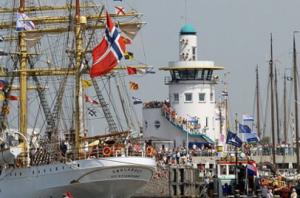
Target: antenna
<point x="185" y="11"/>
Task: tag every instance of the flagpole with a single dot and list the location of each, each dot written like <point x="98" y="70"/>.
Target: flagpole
<point x="236" y="152"/>
<point x="296" y="99"/>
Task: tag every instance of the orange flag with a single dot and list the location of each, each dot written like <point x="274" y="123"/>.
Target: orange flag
<point x="133" y="86"/>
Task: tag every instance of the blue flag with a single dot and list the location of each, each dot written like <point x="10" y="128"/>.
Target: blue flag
<point x="136" y="100"/>
<point x="248" y="118"/>
<point x="233" y="139"/>
<point x="251" y="137"/>
<point x="244" y="128"/>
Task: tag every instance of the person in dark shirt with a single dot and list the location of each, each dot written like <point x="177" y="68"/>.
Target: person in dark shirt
<point x="297" y="187"/>
<point x="63" y="148"/>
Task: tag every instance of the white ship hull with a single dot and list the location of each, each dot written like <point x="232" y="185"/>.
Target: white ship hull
<point x="104" y="177"/>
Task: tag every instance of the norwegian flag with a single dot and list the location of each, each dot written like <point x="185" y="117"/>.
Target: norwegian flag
<point x="251" y="168"/>
<point x="110" y="51"/>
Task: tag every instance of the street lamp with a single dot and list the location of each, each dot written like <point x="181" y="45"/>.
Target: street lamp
<point x="27" y="147"/>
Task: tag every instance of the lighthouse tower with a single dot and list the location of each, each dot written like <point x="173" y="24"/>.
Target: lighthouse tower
<point x="191" y="115"/>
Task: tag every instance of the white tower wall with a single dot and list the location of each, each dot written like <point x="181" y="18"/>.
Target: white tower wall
<point x="202" y="108"/>
<point x="187" y="47"/>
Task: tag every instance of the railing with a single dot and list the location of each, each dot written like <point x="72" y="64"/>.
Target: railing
<point x="192" y="128"/>
<point x="102" y="151"/>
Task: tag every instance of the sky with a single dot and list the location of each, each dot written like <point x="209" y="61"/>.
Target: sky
<point x="233" y="33"/>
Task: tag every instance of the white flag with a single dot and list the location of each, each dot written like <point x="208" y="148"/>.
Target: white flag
<point x="248" y="118"/>
<point x="23" y="22"/>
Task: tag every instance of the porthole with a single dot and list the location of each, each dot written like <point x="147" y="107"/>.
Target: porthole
<point x="157" y="124"/>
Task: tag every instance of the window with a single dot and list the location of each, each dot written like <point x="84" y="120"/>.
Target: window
<point x="211" y="96"/>
<point x="176" y="97"/>
<point x="188" y="97"/>
<point x="223" y="170"/>
<point x="201" y="97"/>
<point x="231" y="169"/>
<point x="194" y="53"/>
<point x="209" y="74"/>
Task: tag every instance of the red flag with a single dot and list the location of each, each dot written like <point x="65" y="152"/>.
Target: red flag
<point x="11" y="97"/>
<point x="90" y="100"/>
<point x="131" y="70"/>
<point x="68" y="195"/>
<point x="109" y="52"/>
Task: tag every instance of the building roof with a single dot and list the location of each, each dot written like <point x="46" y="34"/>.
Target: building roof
<point x="183" y="65"/>
<point x="188" y="29"/>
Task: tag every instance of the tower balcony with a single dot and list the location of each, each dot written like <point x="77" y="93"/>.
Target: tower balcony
<point x="168" y="80"/>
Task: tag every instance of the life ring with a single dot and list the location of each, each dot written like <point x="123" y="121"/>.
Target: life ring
<point x="107" y="151"/>
<point x="149" y="151"/>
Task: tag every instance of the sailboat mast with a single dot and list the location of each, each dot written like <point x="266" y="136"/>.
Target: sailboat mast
<point x="78" y="58"/>
<point x="296" y="101"/>
<point x="277" y="109"/>
<point x="272" y="102"/>
<point x="284" y="109"/>
<point x="23" y="77"/>
<point x="257" y="104"/>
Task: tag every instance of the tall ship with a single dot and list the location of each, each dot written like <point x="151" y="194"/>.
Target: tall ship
<point x="54" y="92"/>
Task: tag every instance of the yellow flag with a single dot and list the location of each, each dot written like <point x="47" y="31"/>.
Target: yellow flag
<point x="2" y="97"/>
<point x="128" y="55"/>
<point x="86" y="83"/>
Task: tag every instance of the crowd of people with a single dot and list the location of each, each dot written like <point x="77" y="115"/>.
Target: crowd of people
<point x="175" y="156"/>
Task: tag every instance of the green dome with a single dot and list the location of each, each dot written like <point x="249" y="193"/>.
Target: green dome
<point x="188" y="29"/>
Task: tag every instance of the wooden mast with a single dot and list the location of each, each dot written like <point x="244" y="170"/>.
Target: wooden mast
<point x="296" y="101"/>
<point x="78" y="58"/>
<point x="257" y="105"/>
<point x="23" y="71"/>
<point x="284" y="110"/>
<point x="272" y="103"/>
<point x="23" y="58"/>
<point x="277" y="108"/>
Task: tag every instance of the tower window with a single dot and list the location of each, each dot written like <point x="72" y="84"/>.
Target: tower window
<point x="176" y="97"/>
<point x="212" y="96"/>
<point x="188" y="97"/>
<point x="209" y="74"/>
<point x="194" y="53"/>
<point x="201" y="97"/>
